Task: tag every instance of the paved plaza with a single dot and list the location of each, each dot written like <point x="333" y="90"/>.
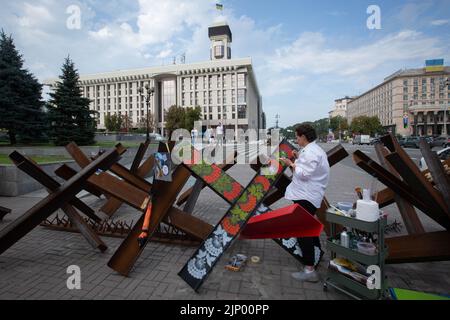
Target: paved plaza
<point x="35" y="267"/>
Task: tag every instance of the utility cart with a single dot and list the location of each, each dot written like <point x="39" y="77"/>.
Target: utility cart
<point x="348" y="285"/>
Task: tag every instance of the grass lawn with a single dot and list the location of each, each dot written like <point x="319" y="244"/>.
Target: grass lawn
<point x="104" y="144"/>
<point x="4" y="159"/>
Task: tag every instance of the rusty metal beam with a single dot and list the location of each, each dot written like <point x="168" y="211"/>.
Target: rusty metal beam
<point x="440" y="178"/>
<point x="387" y="178"/>
<point x="427" y="247"/>
<point x="30" y="168"/>
<point x="432" y="200"/>
<point x="411" y="220"/>
<point x="65" y="172"/>
<point x="164" y="196"/>
<point x="91" y="237"/>
<point x="189" y="224"/>
<point x="386" y="196"/>
<point x="115" y="188"/>
<point x="143" y="147"/>
<point x="43" y="209"/>
<point x="430" y="193"/>
<point x="131" y="177"/>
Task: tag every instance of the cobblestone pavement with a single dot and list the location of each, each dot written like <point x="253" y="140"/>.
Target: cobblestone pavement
<point x="35" y="267"/>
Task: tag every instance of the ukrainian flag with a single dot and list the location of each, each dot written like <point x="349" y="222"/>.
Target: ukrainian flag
<point x="434" y="65"/>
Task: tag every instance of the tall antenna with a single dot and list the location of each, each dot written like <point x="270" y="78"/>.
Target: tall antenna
<point x="277" y="117"/>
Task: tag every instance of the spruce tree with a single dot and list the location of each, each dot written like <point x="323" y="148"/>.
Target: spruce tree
<point x="21" y="106"/>
<point x="69" y="114"/>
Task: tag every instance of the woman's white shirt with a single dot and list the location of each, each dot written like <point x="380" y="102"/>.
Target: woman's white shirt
<point x="311" y="176"/>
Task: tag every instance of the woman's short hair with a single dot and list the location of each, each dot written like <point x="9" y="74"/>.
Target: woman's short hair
<point x="306" y="130"/>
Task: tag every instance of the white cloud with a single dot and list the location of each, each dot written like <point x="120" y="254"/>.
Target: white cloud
<point x="441" y="22"/>
<point x="34" y="15"/>
<point x="159" y="21"/>
<point x="102" y="34"/>
<point x="277" y="85"/>
<point x="311" y="54"/>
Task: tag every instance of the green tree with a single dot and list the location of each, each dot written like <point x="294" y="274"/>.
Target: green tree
<point x="175" y="119"/>
<point x="71" y="119"/>
<point x="114" y="122"/>
<point x="21" y="106"/>
<point x="322" y="127"/>
<point x="192" y="115"/>
<point x="338" y="123"/>
<point x="366" y="125"/>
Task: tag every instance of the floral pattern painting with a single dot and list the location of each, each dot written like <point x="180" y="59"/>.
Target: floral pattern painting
<point x="247" y="203"/>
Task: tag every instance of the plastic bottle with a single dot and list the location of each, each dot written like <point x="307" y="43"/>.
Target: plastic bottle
<point x="345" y="239"/>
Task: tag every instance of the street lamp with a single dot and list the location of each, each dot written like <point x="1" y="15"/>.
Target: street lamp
<point x="149" y="93"/>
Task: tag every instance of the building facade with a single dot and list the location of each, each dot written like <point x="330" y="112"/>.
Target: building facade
<point x="409" y="102"/>
<point x="340" y="107"/>
<point x="225" y="89"/>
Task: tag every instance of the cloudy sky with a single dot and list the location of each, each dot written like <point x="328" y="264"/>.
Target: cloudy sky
<point x="306" y="53"/>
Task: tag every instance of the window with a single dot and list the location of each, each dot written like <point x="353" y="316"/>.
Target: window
<point x="242" y="112"/>
<point x="218" y="97"/>
<point x="168" y="96"/>
<point x="241" y="80"/>
<point x="233" y="96"/>
<point x="242" y="96"/>
<point x="233" y="81"/>
<point x="405" y="82"/>
<point x="219" y="50"/>
<point x="219" y="82"/>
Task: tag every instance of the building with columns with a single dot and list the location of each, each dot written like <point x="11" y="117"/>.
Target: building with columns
<point x="409" y="102"/>
<point x="225" y="89"/>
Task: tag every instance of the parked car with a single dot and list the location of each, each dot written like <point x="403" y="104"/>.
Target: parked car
<point x="402" y="141"/>
<point x="375" y="140"/>
<point x="441" y="141"/>
<point x="443" y="155"/>
<point x="361" y="139"/>
<point x="412" y="142"/>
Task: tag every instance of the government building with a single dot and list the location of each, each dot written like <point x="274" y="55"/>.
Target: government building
<point x="225" y="89"/>
<point x="409" y="102"/>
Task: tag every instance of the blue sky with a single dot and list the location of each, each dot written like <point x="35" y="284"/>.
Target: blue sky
<point x="305" y="53"/>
